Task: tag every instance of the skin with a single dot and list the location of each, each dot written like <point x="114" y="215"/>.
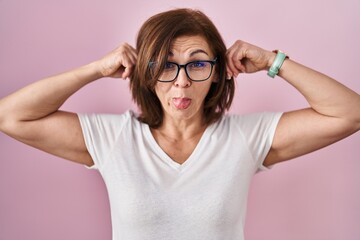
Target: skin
<point x="31" y="114"/>
<point x="334" y="111"/>
<point x="183" y="127"/>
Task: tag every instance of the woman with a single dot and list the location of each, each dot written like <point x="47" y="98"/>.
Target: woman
<point x="181" y="169"/>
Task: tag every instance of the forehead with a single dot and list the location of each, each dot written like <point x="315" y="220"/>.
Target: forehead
<point x="189" y="45"/>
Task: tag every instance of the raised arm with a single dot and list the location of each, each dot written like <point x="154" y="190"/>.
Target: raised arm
<point x="31" y="114"/>
<point x="334" y="111"/>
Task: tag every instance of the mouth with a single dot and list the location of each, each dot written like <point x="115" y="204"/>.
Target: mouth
<point x="181" y="103"/>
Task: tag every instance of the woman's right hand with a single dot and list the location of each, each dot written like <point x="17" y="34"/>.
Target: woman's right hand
<point x="31" y="114"/>
<point x="119" y="63"/>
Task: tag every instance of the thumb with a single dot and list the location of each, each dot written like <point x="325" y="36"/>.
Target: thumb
<point x="127" y="72"/>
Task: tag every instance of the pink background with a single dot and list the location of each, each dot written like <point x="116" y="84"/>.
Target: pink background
<point x="42" y="197"/>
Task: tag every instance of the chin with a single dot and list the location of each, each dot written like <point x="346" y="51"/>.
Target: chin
<point x="183" y="114"/>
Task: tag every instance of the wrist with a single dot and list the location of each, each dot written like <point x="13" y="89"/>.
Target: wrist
<point x="86" y="73"/>
<point x="271" y="59"/>
<point x="277" y="62"/>
<point x="95" y="70"/>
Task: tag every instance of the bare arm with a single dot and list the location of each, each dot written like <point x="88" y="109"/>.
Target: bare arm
<point x="31" y="114"/>
<point x="334" y="111"/>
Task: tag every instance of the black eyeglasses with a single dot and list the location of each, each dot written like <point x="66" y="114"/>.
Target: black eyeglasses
<point x="196" y="71"/>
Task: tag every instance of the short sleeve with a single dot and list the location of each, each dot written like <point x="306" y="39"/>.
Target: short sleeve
<point x="259" y="130"/>
<point x="100" y="133"/>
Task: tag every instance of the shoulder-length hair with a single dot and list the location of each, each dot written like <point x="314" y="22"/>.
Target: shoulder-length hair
<point x="153" y="44"/>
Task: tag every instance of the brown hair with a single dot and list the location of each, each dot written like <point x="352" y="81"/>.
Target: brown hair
<point x="153" y="44"/>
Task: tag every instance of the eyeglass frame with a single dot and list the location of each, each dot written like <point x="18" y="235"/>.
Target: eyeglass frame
<point x="179" y="66"/>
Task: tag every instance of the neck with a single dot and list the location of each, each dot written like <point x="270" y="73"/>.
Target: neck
<point x="181" y="129"/>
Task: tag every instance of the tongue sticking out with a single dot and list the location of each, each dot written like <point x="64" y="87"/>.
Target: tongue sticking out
<point x="181" y="103"/>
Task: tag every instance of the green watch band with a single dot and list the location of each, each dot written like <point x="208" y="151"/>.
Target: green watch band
<point x="279" y="60"/>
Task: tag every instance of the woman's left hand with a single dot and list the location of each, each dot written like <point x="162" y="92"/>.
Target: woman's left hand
<point x="243" y="57"/>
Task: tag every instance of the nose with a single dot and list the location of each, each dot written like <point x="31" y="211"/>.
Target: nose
<point x="182" y="79"/>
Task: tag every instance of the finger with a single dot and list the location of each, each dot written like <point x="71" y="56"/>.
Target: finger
<point x="128" y="72"/>
<point x="236" y="55"/>
<point x="133" y="58"/>
<point x="129" y="59"/>
<point x="132" y="54"/>
<point x="230" y="65"/>
<point x="228" y="73"/>
<point x="133" y="50"/>
<point x="239" y="58"/>
<point x="128" y="51"/>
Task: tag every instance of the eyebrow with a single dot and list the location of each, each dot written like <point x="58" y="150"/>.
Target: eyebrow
<point x="192" y="53"/>
<point x="198" y="51"/>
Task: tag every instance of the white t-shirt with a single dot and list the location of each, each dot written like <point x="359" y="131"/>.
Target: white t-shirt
<point x="152" y="197"/>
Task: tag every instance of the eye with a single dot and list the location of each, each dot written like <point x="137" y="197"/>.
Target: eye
<point x="169" y="66"/>
<point x="198" y="64"/>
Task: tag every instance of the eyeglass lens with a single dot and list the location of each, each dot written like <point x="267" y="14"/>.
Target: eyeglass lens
<point x="196" y="71"/>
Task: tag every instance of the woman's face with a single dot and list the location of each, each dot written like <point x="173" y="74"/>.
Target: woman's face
<point x="183" y="99"/>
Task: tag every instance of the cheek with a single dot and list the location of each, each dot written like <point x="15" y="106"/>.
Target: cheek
<point x="161" y="91"/>
<point x="207" y="87"/>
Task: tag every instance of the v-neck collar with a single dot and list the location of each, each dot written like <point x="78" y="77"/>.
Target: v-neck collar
<point x="167" y="159"/>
